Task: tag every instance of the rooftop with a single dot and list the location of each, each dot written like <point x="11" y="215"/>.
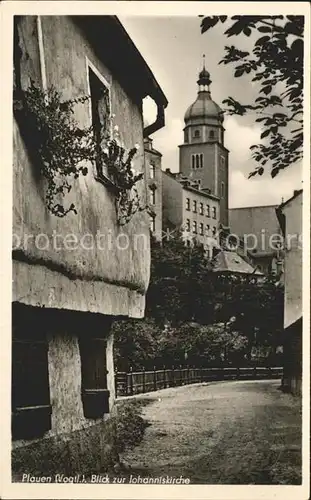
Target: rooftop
<point x="230" y="261"/>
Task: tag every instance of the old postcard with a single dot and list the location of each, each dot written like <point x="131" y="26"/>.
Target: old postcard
<point x="156" y="193"/>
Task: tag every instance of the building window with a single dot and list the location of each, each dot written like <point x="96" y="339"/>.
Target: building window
<point x="214" y="212"/>
<point x="194" y="227"/>
<point x="31" y="409"/>
<point x="100" y="110"/>
<point x="222" y="160"/>
<point x="201" y="209"/>
<point x="201" y="229"/>
<point x="186" y="135"/>
<point x="95" y="394"/>
<point x="222" y="189"/>
<point x="207" y="229"/>
<point x="197" y="161"/>
<point x="187" y="203"/>
<point x="214" y="230"/>
<point x="152" y="171"/>
<point x="152" y="223"/>
<point x="211" y="134"/>
<point x="195" y="206"/>
<point x="208" y="213"/>
<point x="152" y="196"/>
<point x="196" y="134"/>
<point x="188" y="225"/>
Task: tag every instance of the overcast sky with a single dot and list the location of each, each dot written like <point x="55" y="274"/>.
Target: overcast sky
<point x="173" y="48"/>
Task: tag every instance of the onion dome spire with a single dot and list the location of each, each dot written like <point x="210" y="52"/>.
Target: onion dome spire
<point x="204" y="80"/>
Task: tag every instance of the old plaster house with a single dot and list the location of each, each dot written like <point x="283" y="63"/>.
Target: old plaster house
<point x="63" y="300"/>
<point x="289" y="215"/>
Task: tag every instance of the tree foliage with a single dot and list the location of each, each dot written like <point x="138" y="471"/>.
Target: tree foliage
<point x="275" y="64"/>
<point x="180" y="281"/>
<point x="197" y="316"/>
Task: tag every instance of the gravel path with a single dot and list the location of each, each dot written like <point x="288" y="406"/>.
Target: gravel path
<point x="240" y="432"/>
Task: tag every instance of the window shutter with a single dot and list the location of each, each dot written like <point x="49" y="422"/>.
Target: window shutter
<point x="95" y="395"/>
<point x="31" y="410"/>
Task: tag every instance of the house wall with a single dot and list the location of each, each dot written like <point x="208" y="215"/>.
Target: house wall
<point x="118" y="274"/>
<point x="261" y="222"/>
<point x="172" y="202"/>
<point x="74" y="443"/>
<point x="204" y="219"/>
<point x="176" y="214"/>
<point x="293" y="261"/>
<point x="153" y="157"/>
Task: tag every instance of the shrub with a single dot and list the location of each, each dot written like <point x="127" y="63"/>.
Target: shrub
<point x="128" y="424"/>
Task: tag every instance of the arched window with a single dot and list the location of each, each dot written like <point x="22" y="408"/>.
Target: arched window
<point x="193" y="161"/>
<point x="152" y="171"/>
<point x="211" y="134"/>
<point x="197" y="161"/>
<point x="201" y="160"/>
<point x="196" y="134"/>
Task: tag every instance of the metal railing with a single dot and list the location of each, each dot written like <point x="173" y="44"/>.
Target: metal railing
<point x="139" y="382"/>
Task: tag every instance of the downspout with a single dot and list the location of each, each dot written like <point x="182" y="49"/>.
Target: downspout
<point x="159" y="122"/>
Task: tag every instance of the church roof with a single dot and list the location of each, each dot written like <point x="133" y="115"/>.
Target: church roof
<point x="204" y="107"/>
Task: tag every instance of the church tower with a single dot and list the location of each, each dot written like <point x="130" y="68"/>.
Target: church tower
<point x="203" y="156"/>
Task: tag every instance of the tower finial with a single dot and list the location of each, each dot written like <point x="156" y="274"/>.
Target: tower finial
<point x="204" y="80"/>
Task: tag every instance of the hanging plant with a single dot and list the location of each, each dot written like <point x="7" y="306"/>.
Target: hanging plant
<point x="61" y="149"/>
<point x="58" y="145"/>
<point x="121" y="172"/>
